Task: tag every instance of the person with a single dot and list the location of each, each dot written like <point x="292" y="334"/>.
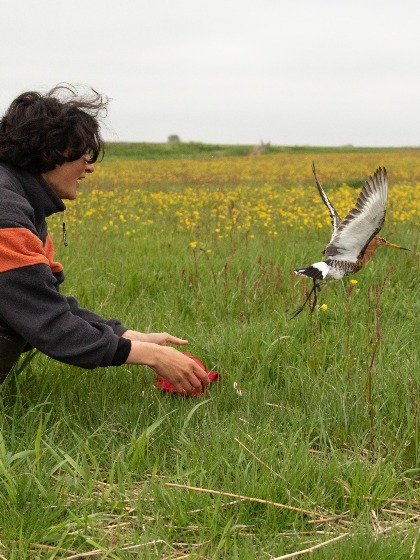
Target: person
<point x="48" y="143"/>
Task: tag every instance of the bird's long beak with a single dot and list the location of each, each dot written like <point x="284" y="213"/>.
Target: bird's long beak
<point x="396" y="246"/>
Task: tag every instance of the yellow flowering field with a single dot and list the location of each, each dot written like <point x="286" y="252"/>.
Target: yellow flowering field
<point x="264" y="194"/>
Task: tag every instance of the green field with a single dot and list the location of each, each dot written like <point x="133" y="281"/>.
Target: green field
<point x="322" y="442"/>
<point x="175" y="150"/>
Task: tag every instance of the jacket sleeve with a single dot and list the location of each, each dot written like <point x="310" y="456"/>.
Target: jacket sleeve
<point x="49" y="321"/>
<point x="89" y="316"/>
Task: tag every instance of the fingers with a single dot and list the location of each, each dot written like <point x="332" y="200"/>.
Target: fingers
<point x="185" y="387"/>
<point x="203" y="378"/>
<point x="163" y="338"/>
<point x="187" y="376"/>
<point x="194" y="380"/>
<point x="176" y="340"/>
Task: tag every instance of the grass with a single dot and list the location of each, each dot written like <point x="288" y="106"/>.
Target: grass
<point x="191" y="150"/>
<point x="323" y="440"/>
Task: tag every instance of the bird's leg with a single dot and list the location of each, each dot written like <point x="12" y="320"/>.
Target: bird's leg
<point x="314" y="289"/>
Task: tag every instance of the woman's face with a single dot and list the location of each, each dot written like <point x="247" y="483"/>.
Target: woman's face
<point x="64" y="179"/>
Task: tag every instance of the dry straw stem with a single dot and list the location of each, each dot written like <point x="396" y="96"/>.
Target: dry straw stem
<point x="312" y="548"/>
<point x="257" y="458"/>
<point x="97" y="552"/>
<point x="247" y="498"/>
<point x="332" y="519"/>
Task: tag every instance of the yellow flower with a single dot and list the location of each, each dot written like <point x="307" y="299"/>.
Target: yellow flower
<point x="352" y="281"/>
<point x="324" y="307"/>
<point x="193" y="244"/>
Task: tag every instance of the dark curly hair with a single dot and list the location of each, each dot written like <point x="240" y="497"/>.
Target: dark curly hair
<point x="40" y="131"/>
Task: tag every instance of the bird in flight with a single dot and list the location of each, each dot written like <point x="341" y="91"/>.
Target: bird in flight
<point x="354" y="239"/>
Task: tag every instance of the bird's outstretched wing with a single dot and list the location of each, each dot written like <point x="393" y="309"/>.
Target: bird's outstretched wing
<point x="335" y="218"/>
<point x="363" y="222"/>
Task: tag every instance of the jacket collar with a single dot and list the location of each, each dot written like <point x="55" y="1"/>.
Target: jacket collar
<point x="41" y="197"/>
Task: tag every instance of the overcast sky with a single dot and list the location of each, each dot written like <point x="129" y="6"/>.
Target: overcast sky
<point x="292" y="72"/>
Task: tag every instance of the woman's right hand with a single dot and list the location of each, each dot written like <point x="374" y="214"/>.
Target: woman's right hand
<point x="180" y="370"/>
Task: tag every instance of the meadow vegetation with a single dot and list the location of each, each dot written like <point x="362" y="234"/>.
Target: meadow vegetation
<point x="311" y="436"/>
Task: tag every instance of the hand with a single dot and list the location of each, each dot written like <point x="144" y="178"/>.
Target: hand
<point x="183" y="372"/>
<point x="155" y="338"/>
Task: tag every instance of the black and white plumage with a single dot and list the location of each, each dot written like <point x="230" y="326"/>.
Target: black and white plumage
<point x="354" y="239"/>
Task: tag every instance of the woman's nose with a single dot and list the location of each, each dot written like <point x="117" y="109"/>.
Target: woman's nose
<point x="89" y="168"/>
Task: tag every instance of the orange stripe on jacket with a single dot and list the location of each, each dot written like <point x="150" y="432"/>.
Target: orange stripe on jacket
<point x="19" y="247"/>
<point x="49" y="251"/>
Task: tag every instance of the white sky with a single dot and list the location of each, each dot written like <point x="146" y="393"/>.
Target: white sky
<point x="317" y="72"/>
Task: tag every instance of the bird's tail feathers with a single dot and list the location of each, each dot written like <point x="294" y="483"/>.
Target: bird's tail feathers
<point x="317" y="271"/>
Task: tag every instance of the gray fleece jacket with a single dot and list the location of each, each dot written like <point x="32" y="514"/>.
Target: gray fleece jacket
<point x="31" y="304"/>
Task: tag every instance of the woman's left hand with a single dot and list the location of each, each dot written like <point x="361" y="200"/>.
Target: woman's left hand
<point x="155" y="338"/>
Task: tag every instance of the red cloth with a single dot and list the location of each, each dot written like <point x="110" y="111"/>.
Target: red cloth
<point x="165" y="385"/>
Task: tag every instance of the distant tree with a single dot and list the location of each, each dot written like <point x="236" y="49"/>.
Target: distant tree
<point x="174" y="138"/>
